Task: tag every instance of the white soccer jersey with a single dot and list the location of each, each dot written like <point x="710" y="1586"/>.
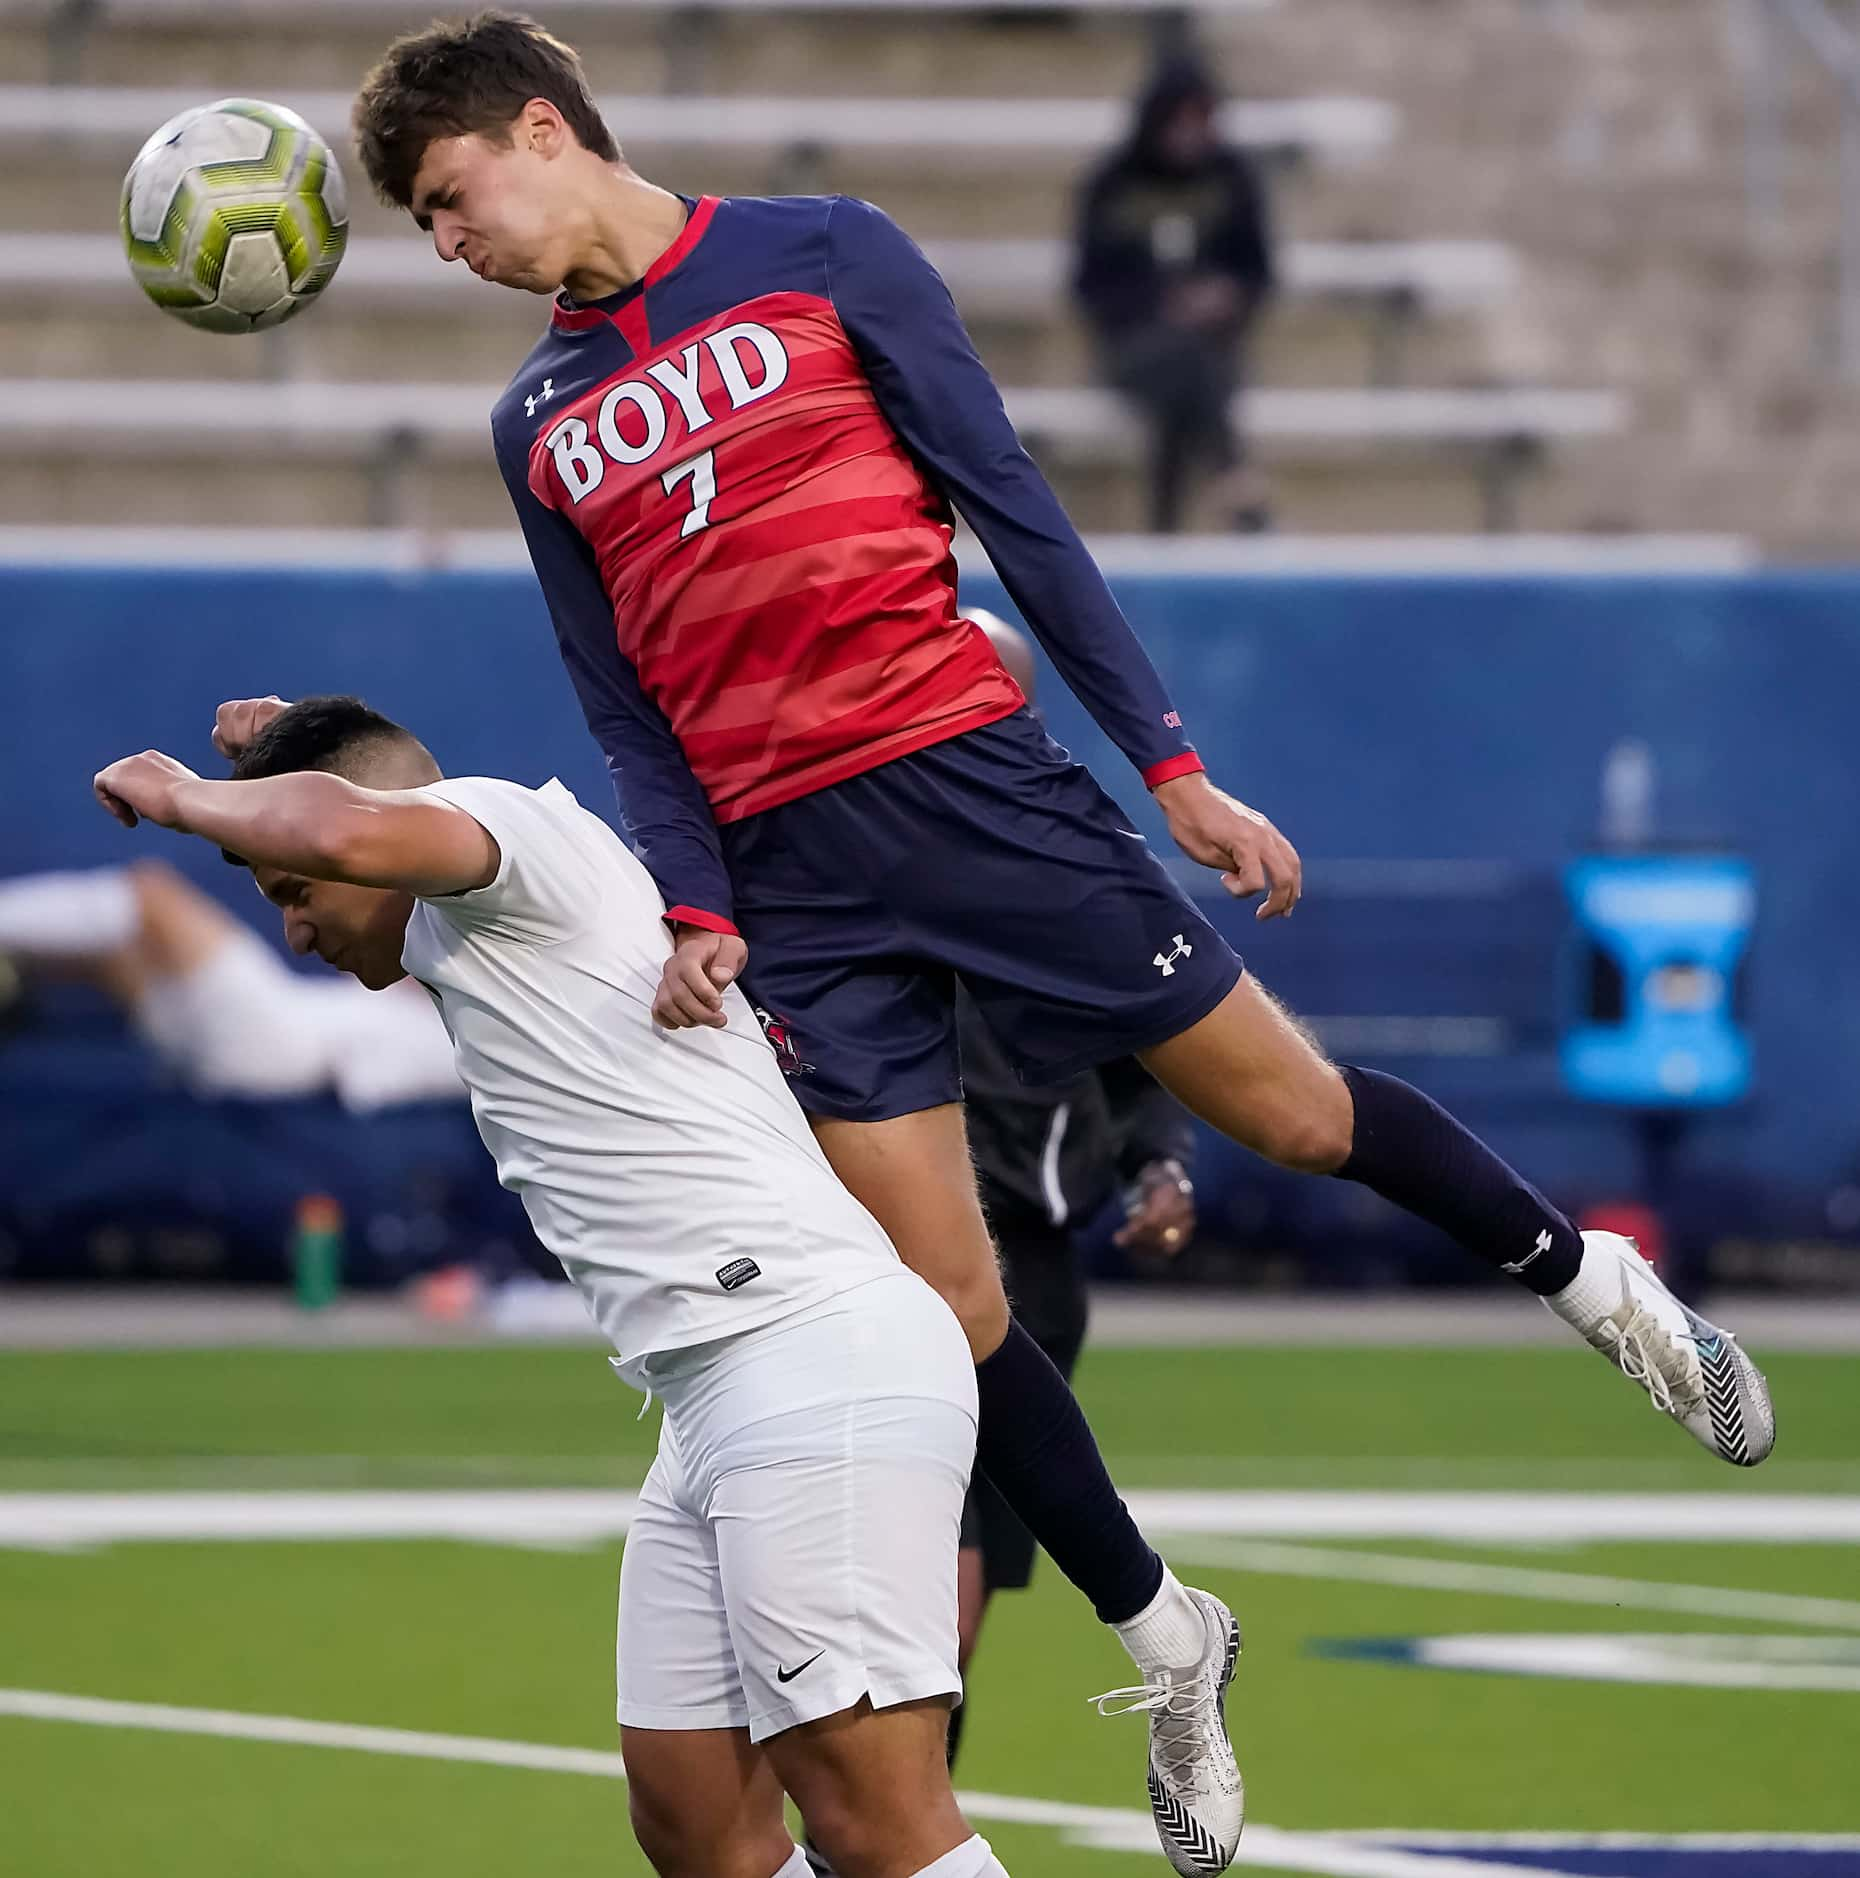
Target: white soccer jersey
<point x="670" y="1171"/>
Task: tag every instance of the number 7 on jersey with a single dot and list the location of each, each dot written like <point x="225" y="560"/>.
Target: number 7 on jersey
<point x="701" y="472"/>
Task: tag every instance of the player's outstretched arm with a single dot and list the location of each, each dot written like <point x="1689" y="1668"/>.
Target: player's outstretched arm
<point x="309" y="823"/>
<point x="938" y="396"/>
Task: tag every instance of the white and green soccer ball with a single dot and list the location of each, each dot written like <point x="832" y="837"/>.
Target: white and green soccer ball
<point x="234" y="216"/>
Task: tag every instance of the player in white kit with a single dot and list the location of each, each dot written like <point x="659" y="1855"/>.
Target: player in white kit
<point x="788" y="1593"/>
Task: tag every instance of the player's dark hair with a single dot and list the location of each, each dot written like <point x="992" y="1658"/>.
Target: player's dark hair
<point x="334" y="734"/>
<point x="456" y="79"/>
<point x="337" y="734"/>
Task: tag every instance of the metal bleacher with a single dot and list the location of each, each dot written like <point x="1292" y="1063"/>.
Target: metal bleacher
<point x="1394" y="283"/>
<point x="1365" y="403"/>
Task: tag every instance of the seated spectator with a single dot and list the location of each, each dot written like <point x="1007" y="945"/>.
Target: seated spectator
<point x="1174" y="264"/>
<point x="215" y="1002"/>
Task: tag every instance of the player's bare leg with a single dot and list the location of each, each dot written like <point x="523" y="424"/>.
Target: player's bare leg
<point x="706" y="1804"/>
<point x="873" y="1789"/>
<point x="1253" y="1072"/>
<point x="972" y="1600"/>
<point x="914" y="1175"/>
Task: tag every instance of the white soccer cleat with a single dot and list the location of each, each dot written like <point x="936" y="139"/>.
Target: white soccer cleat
<point x="1691" y="1370"/>
<point x="1196" y="1793"/>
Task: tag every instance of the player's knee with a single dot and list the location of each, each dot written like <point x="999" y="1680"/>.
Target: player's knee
<point x="981" y="1307"/>
<point x="665" y="1823"/>
<point x="682" y="1837"/>
<point x="860" y="1836"/>
<point x="969" y="1282"/>
<point x="850" y="1840"/>
<point x="1314" y="1134"/>
<point x="655" y="1829"/>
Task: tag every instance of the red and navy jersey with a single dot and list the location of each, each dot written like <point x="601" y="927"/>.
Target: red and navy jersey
<point x="736" y="479"/>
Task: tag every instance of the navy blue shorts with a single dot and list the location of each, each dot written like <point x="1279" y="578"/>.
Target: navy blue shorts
<point x="991" y="858"/>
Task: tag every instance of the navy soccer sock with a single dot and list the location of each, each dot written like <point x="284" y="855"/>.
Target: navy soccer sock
<point x="1411" y="1151"/>
<point x="1033" y="1443"/>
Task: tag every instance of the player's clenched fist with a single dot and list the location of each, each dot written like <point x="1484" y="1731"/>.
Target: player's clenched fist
<point x="239" y="720"/>
<point x="143" y="788"/>
<point x="1211" y="827"/>
<point x="702" y="967"/>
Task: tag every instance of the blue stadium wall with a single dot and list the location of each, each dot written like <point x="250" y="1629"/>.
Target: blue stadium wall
<point x="1432" y="745"/>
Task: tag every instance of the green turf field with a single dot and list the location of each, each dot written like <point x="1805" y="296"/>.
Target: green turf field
<point x="507" y="1637"/>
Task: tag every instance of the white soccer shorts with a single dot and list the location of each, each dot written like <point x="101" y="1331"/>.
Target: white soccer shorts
<point x="795" y="1543"/>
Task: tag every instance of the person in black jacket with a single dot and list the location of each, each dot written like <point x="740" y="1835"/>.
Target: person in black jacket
<point x="1048" y="1157"/>
<point x="1174" y="263"/>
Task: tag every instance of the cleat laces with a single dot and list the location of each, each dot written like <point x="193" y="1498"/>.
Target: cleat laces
<point x="1178" y="1708"/>
<point x="1631" y="1348"/>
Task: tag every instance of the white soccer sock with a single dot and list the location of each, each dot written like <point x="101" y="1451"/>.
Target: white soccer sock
<point x="1594" y="1291"/>
<point x="1170" y="1631"/>
<point x="68" y="915"/>
<point x="795" y="1866"/>
<point x="973" y="1858"/>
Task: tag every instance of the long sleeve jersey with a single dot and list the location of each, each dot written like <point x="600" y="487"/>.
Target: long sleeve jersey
<point x="736" y="479"/>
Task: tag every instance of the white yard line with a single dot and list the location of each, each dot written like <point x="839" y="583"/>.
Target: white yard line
<point x="555" y="1517"/>
<point x="1614" y="1841"/>
<point x="546" y="1518"/>
<point x="234" y="1725"/>
<point x="81" y="1317"/>
<point x="1101" y="1828"/>
<point x="1674" y="1659"/>
<point x="1507" y="1518"/>
<point x="1517" y="1581"/>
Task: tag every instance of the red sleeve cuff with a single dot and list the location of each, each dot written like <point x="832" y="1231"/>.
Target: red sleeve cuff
<point x="1171" y="767"/>
<point x="694" y="916"/>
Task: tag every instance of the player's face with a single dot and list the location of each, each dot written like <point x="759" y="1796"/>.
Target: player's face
<point x="359" y="930"/>
<point x="493" y="206"/>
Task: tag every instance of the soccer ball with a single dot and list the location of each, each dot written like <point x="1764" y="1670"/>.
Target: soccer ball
<point x="234" y="216"/>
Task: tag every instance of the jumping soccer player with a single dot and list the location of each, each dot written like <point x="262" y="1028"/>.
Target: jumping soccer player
<point x="766" y="1642"/>
<point x="734" y="454"/>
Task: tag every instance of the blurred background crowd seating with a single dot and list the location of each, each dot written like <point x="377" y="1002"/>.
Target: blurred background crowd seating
<point x="1550" y="403"/>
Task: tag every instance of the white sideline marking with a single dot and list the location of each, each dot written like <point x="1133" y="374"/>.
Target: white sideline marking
<point x="1507" y="1518"/>
<point x="553" y="1517"/>
<point x="1711" y="1661"/>
<point x="232" y="1725"/>
<point x="1517" y="1581"/>
<point x="1101" y="1828"/>
<point x="1615" y="1841"/>
<point x="544" y="1517"/>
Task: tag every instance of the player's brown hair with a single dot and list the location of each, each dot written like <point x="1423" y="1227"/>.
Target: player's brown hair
<point x="459" y="79"/>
